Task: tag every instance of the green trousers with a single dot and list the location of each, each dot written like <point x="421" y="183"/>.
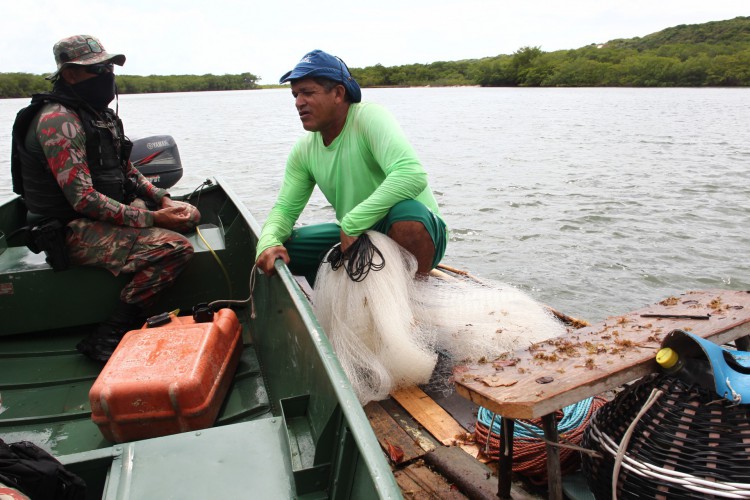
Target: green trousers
<point x="309" y="244"/>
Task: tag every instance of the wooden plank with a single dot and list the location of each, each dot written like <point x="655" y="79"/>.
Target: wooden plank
<point x="391" y="435"/>
<point x="435" y="419"/>
<point x="463" y="411"/>
<point x="538" y="380"/>
<point x="475" y="480"/>
<point x="417" y="481"/>
<point x="409" y="425"/>
<point x="429" y="414"/>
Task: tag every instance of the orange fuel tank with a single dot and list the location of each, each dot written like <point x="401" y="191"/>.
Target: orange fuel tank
<point x="168" y="379"/>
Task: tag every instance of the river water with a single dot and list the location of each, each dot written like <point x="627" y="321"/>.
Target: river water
<point x="594" y="201"/>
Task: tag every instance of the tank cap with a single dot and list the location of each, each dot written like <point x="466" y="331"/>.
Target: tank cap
<point x="667" y="357"/>
<point x="202" y="313"/>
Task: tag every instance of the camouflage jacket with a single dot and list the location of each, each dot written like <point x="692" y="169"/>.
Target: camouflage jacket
<point x="58" y="134"/>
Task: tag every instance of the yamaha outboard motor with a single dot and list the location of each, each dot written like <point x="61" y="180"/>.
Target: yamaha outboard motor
<point x="158" y="158"/>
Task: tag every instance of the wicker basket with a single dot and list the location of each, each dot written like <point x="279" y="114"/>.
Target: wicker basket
<point x="680" y="441"/>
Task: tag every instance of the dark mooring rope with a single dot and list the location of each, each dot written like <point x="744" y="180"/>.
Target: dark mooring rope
<point x="358" y="260"/>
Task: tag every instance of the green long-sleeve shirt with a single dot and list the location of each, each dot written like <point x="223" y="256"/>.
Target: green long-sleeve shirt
<point x="366" y="170"/>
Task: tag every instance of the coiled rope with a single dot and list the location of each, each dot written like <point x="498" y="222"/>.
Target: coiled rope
<point x="529" y="445"/>
<point x="358" y="260"/>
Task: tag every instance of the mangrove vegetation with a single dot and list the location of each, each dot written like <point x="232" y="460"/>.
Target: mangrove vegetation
<point x="25" y="84"/>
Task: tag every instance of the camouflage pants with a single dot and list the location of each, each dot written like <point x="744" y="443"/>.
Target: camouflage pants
<point x="155" y="256"/>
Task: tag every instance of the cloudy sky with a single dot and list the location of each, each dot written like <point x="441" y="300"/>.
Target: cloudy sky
<point x="267" y="37"/>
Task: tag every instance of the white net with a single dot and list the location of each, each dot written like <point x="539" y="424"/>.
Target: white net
<point x="474" y="320"/>
<point x="387" y="329"/>
<point x="372" y="326"/>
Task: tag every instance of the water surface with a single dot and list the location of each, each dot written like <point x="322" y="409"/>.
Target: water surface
<point x="595" y="201"/>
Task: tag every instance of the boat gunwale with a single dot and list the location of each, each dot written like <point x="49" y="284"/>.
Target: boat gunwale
<point x="363" y="435"/>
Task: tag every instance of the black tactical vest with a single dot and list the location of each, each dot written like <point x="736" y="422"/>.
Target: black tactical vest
<point x="107" y="155"/>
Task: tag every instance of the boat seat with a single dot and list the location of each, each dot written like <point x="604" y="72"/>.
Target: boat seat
<point x="22" y="259"/>
<point x="245" y="460"/>
<point x="34" y="297"/>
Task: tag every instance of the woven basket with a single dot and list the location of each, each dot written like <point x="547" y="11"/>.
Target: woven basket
<point x="530" y="454"/>
<point x="680" y="441"/>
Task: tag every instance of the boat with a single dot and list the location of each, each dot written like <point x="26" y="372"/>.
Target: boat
<point x="290" y="425"/>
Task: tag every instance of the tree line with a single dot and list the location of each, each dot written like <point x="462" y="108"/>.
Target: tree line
<point x="25" y="84"/>
<point x="586" y="67"/>
<point x="709" y="54"/>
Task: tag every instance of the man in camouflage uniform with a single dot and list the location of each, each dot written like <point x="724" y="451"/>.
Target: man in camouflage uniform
<point x="71" y="164"/>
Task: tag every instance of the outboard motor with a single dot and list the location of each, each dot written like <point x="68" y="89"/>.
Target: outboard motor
<point x="158" y="158"/>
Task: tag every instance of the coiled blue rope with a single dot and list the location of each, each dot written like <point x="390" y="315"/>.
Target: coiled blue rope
<point x="573" y="417"/>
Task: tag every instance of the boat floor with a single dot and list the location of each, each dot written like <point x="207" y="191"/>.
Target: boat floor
<point x="437" y="470"/>
<point x="59" y="393"/>
<point x="427" y="467"/>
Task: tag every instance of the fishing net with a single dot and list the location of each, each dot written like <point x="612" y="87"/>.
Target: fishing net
<point x="386" y="327"/>
<point x="371" y="322"/>
<point x="482" y="319"/>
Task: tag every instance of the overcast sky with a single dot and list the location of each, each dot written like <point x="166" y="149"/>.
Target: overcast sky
<point x="267" y="37"/>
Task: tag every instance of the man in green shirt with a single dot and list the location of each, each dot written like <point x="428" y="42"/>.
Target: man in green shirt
<point x="363" y="164"/>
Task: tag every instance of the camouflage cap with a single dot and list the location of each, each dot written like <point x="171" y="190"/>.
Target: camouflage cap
<point x="83" y="50"/>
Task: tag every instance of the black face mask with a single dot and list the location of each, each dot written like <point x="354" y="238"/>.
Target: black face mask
<point x="98" y="91"/>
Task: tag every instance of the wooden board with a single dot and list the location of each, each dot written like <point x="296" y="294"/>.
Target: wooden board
<point x="435" y="419"/>
<point x="475" y="480"/>
<point x="548" y="376"/>
<point x="417" y="481"/>
<point x="390" y="435"/>
<point x="420" y="436"/>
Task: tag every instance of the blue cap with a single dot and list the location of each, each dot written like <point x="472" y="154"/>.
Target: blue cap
<point x="322" y="64"/>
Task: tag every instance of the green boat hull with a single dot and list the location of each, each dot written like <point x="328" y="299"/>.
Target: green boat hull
<point x="290" y="426"/>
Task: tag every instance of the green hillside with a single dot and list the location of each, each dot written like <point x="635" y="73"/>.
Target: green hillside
<point x="732" y="32"/>
<point x="711" y="54"/>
